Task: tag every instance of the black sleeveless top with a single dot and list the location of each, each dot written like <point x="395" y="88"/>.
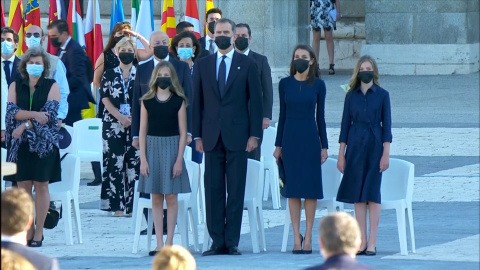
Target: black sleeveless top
<point x="42" y="88"/>
<point x="163" y="116"/>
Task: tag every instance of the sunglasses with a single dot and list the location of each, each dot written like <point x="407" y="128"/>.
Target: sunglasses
<point x="29" y="35"/>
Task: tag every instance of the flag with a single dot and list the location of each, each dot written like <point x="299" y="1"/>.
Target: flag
<point x="93" y="31"/>
<point x="208" y="6"/>
<point x="16" y="22"/>
<point x="75" y="22"/>
<point x="168" y="19"/>
<point x="134" y="16"/>
<point x="191" y="16"/>
<point x="54" y="13"/>
<point x="116" y="14"/>
<point x="32" y="14"/>
<point x="3" y="17"/>
<point x="145" y="21"/>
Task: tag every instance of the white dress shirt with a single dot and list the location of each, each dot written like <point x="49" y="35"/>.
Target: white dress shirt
<point x="60" y="76"/>
<point x="228" y="62"/>
<point x="64" y="46"/>
<point x="11" y="59"/>
<point x="207" y="44"/>
<point x="4" y="99"/>
<point x="247" y="51"/>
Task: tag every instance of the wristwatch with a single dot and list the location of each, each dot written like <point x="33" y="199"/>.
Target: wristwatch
<point x="27" y="126"/>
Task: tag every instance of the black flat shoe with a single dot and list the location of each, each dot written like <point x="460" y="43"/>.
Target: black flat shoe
<point x="361" y="252"/>
<point x="153" y="253"/>
<point x="370" y="253"/>
<point x="299" y="251"/>
<point x="144" y="232"/>
<point x="214" y="251"/>
<point x="96" y="182"/>
<point x="234" y="251"/>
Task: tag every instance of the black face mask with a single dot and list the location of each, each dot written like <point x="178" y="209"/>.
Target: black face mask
<point x="223" y="42"/>
<point x="160" y="51"/>
<point x="117" y="39"/>
<point x="365" y="76"/>
<point x="56" y="42"/>
<point x="301" y="65"/>
<point x="241" y="43"/>
<point x="164" y="82"/>
<point x="211" y="27"/>
<point x="126" y="57"/>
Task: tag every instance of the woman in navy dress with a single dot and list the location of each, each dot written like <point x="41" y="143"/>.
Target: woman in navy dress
<point x="302" y="140"/>
<point x="366" y="130"/>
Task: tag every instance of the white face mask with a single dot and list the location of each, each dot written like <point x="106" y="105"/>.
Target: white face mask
<point x="33" y="41"/>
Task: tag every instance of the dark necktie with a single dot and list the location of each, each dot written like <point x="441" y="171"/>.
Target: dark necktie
<point x="60" y="52"/>
<point x="6" y="68"/>
<point x="210" y="48"/>
<point x="222" y="73"/>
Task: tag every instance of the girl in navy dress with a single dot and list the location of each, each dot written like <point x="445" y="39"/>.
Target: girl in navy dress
<point x="302" y="140"/>
<point x="366" y="131"/>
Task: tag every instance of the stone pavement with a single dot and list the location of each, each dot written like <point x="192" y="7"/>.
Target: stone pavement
<point x="435" y="126"/>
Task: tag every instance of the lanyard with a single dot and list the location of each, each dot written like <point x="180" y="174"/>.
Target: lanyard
<point x="125" y="87"/>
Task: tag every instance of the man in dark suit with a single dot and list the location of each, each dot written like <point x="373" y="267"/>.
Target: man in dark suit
<point x="74" y="58"/>
<point x="339" y="240"/>
<point x="243" y="36"/>
<point x="159" y="44"/>
<point x="17" y="219"/>
<point x="227" y="124"/>
<point x="208" y="41"/>
<point x="10" y="61"/>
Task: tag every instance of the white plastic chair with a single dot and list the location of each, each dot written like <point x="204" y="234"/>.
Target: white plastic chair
<point x="187" y="154"/>
<point x="271" y="168"/>
<point x="397" y="193"/>
<point x="252" y="203"/>
<point x="66" y="191"/>
<point x="88" y="143"/>
<point x="4" y="159"/>
<point x="187" y="208"/>
<point x="331" y="179"/>
<point x="201" y="194"/>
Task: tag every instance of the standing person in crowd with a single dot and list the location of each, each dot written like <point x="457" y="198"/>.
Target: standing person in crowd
<point x="339" y="239"/>
<point x="320" y="18"/>
<point x="34" y="37"/>
<point x="227" y="124"/>
<point x="365" y="134"/>
<point x="163" y="137"/>
<point x="243" y="36"/>
<point x="160" y="45"/>
<point x="186" y="26"/>
<point x="10" y="61"/>
<point x="208" y="41"/>
<point x="174" y="258"/>
<point x="74" y="58"/>
<point x="187" y="48"/>
<point x="302" y="140"/>
<point x="17" y="219"/>
<point x="32" y="133"/>
<point x="3" y="105"/>
<point x="120" y="160"/>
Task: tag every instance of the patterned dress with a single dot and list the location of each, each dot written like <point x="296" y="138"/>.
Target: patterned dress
<point x="121" y="161"/>
<point x="319" y="14"/>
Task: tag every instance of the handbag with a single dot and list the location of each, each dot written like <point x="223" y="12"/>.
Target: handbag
<point x="54" y="214"/>
<point x="281" y="176"/>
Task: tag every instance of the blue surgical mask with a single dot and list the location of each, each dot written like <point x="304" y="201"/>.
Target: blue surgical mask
<point x="7" y="47"/>
<point x="32" y="41"/>
<point x="34" y="70"/>
<point x="185" y="53"/>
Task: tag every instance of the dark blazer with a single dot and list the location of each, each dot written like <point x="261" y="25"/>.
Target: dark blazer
<point x="140" y="88"/>
<point x="15" y="74"/>
<point x="266" y="80"/>
<point x="80" y="94"/>
<point x="204" y="52"/>
<point x="41" y="262"/>
<point x="340" y="262"/>
<point x="229" y="115"/>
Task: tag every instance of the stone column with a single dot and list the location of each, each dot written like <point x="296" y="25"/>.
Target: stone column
<point x="423" y="37"/>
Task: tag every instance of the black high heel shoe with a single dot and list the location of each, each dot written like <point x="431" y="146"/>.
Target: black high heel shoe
<point x="362" y="252"/>
<point x="371" y="253"/>
<point x="307" y="251"/>
<point x="331" y="70"/>
<point x="29" y="242"/>
<point x="299" y="251"/>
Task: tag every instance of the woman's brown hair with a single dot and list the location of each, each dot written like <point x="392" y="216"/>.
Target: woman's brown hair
<point x="313" y="72"/>
<point x="117" y="28"/>
<point x="34" y="52"/>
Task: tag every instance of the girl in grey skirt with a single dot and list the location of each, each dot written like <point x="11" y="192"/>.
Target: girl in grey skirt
<point x="162" y="138"/>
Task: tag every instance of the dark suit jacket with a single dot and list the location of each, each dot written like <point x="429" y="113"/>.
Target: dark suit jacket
<point x="229" y="115"/>
<point x="204" y="52"/>
<point x="80" y="93"/>
<point x="140" y="88"/>
<point x="15" y="74"/>
<point x="340" y="262"/>
<point x="266" y="80"/>
<point x="41" y="262"/>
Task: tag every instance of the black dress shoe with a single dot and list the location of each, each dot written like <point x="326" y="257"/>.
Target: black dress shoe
<point x="370" y="253"/>
<point x="234" y="251"/>
<point x="214" y="251"/>
<point x="144" y="232"/>
<point x="96" y="182"/>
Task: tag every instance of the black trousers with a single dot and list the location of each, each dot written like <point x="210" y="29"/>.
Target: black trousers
<point x="224" y="214"/>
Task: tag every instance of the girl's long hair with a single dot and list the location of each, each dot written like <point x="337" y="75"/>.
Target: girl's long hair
<point x="314" y="71"/>
<point x="355" y="81"/>
<point x="175" y="88"/>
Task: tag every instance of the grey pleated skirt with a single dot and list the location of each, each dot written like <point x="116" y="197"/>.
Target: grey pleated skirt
<point x="161" y="155"/>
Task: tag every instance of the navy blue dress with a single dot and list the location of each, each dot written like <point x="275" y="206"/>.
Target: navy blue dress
<point x="302" y="134"/>
<point x="366" y="125"/>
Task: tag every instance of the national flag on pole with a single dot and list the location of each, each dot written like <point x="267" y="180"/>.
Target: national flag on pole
<point x="134" y="16"/>
<point x="16" y="22"/>
<point x="191" y="16"/>
<point x="3" y="17"/>
<point x="208" y="6"/>
<point x="93" y="31"/>
<point x="116" y="14"/>
<point x="54" y="10"/>
<point x="75" y="22"/>
<point x="168" y="19"/>
<point x="32" y="14"/>
<point x="145" y="21"/>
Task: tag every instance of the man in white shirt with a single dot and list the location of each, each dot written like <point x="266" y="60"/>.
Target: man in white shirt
<point x="10" y="61"/>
